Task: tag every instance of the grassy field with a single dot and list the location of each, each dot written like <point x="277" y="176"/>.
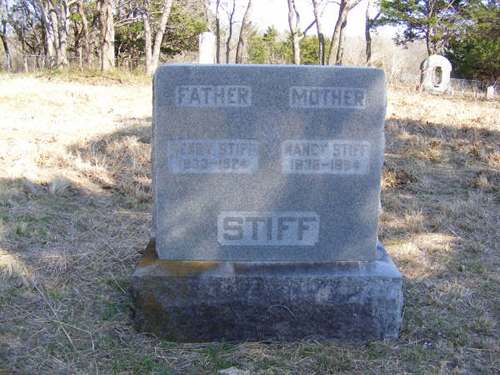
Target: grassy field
<point x="75" y="213"/>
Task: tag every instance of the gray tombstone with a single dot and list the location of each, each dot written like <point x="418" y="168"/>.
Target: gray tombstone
<point x="284" y="170"/>
<point x="266" y="188"/>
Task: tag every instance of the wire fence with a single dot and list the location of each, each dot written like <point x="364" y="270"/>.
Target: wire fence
<point x="458" y="87"/>
<point x="36" y="63"/>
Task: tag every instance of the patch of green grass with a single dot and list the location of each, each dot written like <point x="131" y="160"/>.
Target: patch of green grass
<point x="329" y="362"/>
<point x="218" y="355"/>
<point x="112" y="309"/>
<point x="416" y="355"/>
<point x="273" y="362"/>
<point x="377" y="350"/>
<point x="139" y="365"/>
<point x="482" y="325"/>
<point x="8" y="293"/>
<point x="55" y="294"/>
<point x="118" y="284"/>
<point x="108" y="342"/>
<point x="145" y="366"/>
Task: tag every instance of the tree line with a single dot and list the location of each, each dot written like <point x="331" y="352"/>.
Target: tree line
<point x="98" y="32"/>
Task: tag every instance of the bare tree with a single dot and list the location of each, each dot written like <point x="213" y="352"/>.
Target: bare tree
<point x="244" y="26"/>
<point x="319" y="28"/>
<point x="217" y="31"/>
<point x="25" y="20"/>
<point x="230" y="17"/>
<point x="148" y="39"/>
<point x="336" y="44"/>
<point x="63" y="19"/>
<point x="55" y="21"/>
<point x="49" y="31"/>
<point x="152" y="48"/>
<point x="83" y="37"/>
<point x="107" y="34"/>
<point x="294" y="23"/>
<point x="167" y="6"/>
<point x="369" y="24"/>
<point x="296" y="34"/>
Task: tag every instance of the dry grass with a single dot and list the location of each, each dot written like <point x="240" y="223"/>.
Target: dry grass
<point x="75" y="207"/>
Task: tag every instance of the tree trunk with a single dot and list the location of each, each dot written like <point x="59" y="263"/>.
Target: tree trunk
<point x="293" y="22"/>
<point x="55" y="30"/>
<point x="107" y="30"/>
<point x="85" y="33"/>
<point x="62" y="13"/>
<point x="429" y="30"/>
<point x="3" y="36"/>
<point x="217" y="31"/>
<point x="147" y="43"/>
<point x="368" y="36"/>
<point x="8" y="59"/>
<point x="155" y="59"/>
<point x="48" y="32"/>
<point x="340" y="50"/>
<point x="230" y="31"/>
<point x="336" y="44"/>
<point x="369" y="24"/>
<point x="244" y="26"/>
<point x="427" y="43"/>
<point x="77" y="36"/>
<point x="321" y="35"/>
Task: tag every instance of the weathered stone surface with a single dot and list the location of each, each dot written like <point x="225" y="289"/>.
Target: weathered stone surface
<point x="436" y="74"/>
<point x="195" y="301"/>
<point x="267" y="163"/>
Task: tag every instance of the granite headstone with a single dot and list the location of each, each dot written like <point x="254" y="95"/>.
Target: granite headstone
<point x="267" y="163"/>
<point x="266" y="197"/>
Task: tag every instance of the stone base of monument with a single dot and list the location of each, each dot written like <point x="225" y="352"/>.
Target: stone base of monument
<point x="194" y="301"/>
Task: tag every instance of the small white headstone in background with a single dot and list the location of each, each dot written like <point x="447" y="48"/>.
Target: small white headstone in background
<point x="436" y="71"/>
<point x="207" y="48"/>
<point x="490" y="93"/>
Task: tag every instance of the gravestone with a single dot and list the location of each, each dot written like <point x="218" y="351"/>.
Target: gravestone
<point x="490" y="92"/>
<point x="436" y="74"/>
<point x="206" y="48"/>
<point x="266" y="195"/>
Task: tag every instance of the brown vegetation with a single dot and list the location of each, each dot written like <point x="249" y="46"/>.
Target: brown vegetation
<point x="75" y="213"/>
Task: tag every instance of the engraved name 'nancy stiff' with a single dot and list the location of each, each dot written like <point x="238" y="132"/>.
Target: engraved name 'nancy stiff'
<point x="213" y="96"/>
<point x="343" y="157"/>
<point x="327" y="97"/>
<point x="282" y="228"/>
<point x="213" y="156"/>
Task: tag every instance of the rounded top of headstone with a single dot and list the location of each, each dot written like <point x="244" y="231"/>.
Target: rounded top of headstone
<point x="436" y="60"/>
